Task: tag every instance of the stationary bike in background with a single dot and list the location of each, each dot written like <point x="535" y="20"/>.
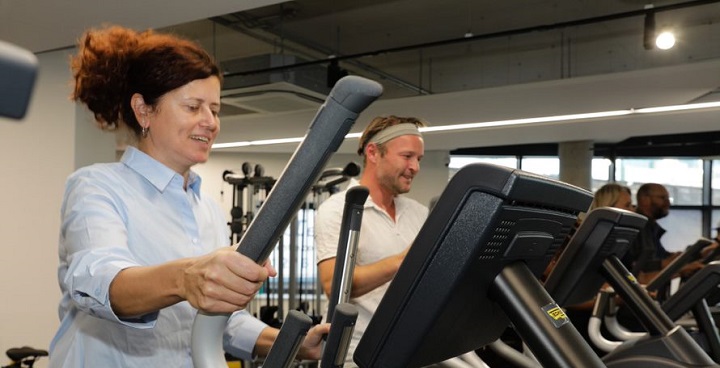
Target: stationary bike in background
<point x="24" y="356"/>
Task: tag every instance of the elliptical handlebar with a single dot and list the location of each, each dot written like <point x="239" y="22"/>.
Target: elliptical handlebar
<point x="350" y="96"/>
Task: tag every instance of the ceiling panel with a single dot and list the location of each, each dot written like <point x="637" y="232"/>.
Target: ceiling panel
<point x="448" y="62"/>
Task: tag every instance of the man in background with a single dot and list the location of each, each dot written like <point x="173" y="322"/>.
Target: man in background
<point x="392" y="148"/>
<point x="647" y="256"/>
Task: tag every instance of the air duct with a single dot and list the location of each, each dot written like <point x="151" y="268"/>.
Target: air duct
<point x="272" y="92"/>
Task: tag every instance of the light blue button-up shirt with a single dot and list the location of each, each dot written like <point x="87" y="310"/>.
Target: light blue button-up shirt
<point x="133" y="213"/>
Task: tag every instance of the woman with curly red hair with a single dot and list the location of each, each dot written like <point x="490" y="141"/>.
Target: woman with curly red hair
<point x="141" y="249"/>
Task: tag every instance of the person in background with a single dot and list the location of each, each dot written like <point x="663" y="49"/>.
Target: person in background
<point x="647" y="256"/>
<point x="609" y="195"/>
<point x="613" y="195"/>
<point x="141" y="249"/>
<point x="392" y="148"/>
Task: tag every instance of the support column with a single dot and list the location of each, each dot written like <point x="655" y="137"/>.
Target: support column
<point x="576" y="163"/>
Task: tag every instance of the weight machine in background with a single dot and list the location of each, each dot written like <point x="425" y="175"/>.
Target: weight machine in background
<point x="249" y="191"/>
<point x="296" y="286"/>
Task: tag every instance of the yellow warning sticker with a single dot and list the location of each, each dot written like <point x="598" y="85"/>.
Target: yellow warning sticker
<point x="556" y="314"/>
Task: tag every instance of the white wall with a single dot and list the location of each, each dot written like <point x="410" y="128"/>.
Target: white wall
<point x="38" y="153"/>
<point x="30" y="193"/>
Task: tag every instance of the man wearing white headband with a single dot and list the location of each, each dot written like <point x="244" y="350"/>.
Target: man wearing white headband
<point x="392" y="148"/>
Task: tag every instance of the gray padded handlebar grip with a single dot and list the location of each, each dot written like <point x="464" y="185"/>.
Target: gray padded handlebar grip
<point x="338" y="340"/>
<point x="292" y="333"/>
<point x="350" y="96"/>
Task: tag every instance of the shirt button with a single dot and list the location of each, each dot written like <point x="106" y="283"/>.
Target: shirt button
<point x="194" y="240"/>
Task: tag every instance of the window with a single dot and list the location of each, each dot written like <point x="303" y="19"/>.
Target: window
<point x="457" y="162"/>
<point x="545" y="166"/>
<point x="601" y="172"/>
<point x="715" y="190"/>
<point x="683" y="177"/>
<point x="715" y="223"/>
<point x="683" y="228"/>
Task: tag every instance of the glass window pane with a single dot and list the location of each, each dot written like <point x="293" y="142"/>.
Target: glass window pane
<point x="715" y="184"/>
<point x="600" y="172"/>
<point x="683" y="177"/>
<point x="715" y="224"/>
<point x="601" y="169"/>
<point x="457" y="162"/>
<point x="545" y="166"/>
<point x="683" y="227"/>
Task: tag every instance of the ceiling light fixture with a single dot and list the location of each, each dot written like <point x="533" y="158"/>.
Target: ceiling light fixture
<point x="263" y="142"/>
<point x="670" y="108"/>
<point x="665" y="40"/>
<point x="498" y="123"/>
<point x="649" y="29"/>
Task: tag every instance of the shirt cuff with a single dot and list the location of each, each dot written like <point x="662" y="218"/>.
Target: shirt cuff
<point x="241" y="335"/>
<point x="93" y="296"/>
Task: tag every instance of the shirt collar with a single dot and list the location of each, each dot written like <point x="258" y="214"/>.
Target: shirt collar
<point x="353" y="182"/>
<point x="159" y="175"/>
<point x="369" y="202"/>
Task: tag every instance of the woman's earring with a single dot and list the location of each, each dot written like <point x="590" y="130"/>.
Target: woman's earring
<point x="144" y="132"/>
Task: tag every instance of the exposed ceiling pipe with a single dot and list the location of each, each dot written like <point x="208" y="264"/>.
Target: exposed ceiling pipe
<point x="306" y="49"/>
<point x="470" y="38"/>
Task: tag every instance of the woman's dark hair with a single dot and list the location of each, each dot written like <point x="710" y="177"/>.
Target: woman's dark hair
<point x="114" y="63"/>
